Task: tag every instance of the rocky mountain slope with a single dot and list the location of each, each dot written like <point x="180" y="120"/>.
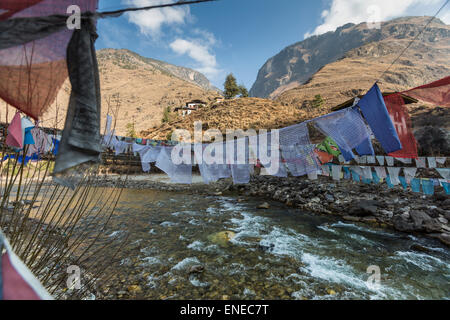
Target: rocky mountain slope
<point x="355" y="53"/>
<point x="140" y="87"/>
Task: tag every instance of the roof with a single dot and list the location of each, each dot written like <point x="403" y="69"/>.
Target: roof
<point x="185" y="108"/>
<point x="196" y="101"/>
<point x="349" y="103"/>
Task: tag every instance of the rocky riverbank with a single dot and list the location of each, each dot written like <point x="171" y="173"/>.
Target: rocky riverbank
<point x="375" y="205"/>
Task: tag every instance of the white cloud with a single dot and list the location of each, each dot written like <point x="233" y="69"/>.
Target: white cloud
<point x="150" y="22"/>
<point x="358" y="11"/>
<point x="199" y="50"/>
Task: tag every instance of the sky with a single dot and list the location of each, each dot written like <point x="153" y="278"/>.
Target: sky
<point x="239" y="36"/>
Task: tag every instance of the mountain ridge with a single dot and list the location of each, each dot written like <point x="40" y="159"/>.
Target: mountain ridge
<point x="296" y="64"/>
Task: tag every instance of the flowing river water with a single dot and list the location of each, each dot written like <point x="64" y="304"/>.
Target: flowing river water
<point x="176" y="251"/>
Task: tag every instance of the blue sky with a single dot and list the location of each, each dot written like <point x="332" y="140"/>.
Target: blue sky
<point x="238" y="36"/>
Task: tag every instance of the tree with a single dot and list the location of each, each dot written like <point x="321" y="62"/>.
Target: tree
<point x="318" y="102"/>
<point x="166" y="115"/>
<point x="131" y="132"/>
<point x="231" y="87"/>
<point x="243" y="91"/>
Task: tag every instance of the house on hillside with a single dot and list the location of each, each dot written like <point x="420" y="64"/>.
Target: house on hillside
<point x="351" y="102"/>
<point x="219" y="100"/>
<point x="190" y="107"/>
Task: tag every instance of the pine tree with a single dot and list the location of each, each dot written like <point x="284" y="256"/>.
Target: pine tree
<point x="166" y="115"/>
<point x="243" y="91"/>
<point x="231" y="87"/>
<point x="318" y="102"/>
<point x="131" y="132"/>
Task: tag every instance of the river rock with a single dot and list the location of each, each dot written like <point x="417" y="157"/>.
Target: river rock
<point x="423" y="222"/>
<point x="445" y="238"/>
<point x="352" y="219"/>
<point x="222" y="238"/>
<point x="134" y="289"/>
<point x="402" y="224"/>
<point x="364" y="208"/>
<point x="264" y="205"/>
<point x="196" y="269"/>
<point x="419" y="248"/>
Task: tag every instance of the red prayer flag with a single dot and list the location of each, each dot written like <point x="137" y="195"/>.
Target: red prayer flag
<point x="402" y="123"/>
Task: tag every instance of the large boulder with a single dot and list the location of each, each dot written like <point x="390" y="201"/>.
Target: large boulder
<point x="423" y="222"/>
<point x="364" y="208"/>
<point x="401" y="223"/>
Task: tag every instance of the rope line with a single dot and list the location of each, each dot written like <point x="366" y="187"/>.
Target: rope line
<point x="412" y="41"/>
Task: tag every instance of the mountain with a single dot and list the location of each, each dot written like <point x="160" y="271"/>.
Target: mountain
<point x="142" y="88"/>
<point x="360" y="49"/>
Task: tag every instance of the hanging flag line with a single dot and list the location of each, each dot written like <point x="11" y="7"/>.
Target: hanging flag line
<point x="391" y="176"/>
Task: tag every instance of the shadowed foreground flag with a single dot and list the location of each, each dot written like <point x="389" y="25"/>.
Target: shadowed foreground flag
<point x="376" y="114"/>
<point x="33" y="44"/>
<point x="16" y="280"/>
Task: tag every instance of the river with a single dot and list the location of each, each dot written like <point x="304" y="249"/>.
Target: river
<point x="174" y="252"/>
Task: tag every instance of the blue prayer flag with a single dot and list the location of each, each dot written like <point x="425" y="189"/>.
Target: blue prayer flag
<point x="428" y="187"/>
<point x="403" y="182"/>
<point x="389" y="183"/>
<point x="415" y="185"/>
<point x="376" y="114"/>
<point x="446" y="186"/>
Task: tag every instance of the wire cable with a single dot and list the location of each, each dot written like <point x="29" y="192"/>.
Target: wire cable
<point x="412" y="41"/>
<point x="179" y="3"/>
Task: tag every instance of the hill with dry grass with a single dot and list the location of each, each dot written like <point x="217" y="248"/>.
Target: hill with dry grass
<point x="138" y="89"/>
<point x="242" y="113"/>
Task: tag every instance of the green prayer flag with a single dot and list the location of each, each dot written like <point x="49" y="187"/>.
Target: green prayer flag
<point x="329" y="146"/>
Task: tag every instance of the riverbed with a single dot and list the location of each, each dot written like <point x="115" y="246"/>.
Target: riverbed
<point x="187" y="246"/>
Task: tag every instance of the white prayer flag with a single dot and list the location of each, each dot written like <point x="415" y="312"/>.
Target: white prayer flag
<point x="390" y="161"/>
<point x="441" y="160"/>
<point x="367" y="172"/>
<point x="371" y="159"/>
<point x="410" y="173"/>
<point x="420" y="163"/>
<point x="393" y="175"/>
<point x="312" y="175"/>
<point x="432" y="162"/>
<point x="381" y="172"/>
<point x="380" y="160"/>
<point x="404" y="160"/>
<point x="444" y="172"/>
<point x="336" y="172"/>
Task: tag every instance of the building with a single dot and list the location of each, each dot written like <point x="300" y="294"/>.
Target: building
<point x="349" y="103"/>
<point x="190" y="107"/>
<point x="219" y="99"/>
